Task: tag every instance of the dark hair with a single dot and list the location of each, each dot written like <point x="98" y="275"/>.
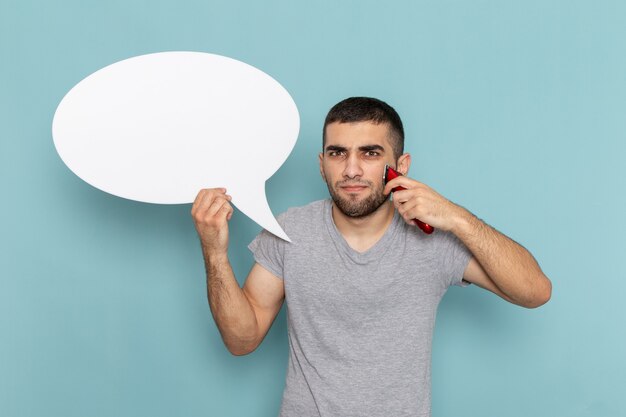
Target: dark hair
<point x="367" y="109"/>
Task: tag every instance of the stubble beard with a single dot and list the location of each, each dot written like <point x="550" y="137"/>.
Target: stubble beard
<point x="355" y="207"/>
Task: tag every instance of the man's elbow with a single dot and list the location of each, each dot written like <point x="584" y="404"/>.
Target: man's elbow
<point x="240" y="351"/>
<point x="241" y="347"/>
<point x="541" y="294"/>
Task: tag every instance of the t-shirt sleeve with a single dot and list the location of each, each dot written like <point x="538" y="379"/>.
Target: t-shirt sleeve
<point x="455" y="258"/>
<point x="268" y="250"/>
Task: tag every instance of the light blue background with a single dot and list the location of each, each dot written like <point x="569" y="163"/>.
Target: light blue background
<point x="516" y="110"/>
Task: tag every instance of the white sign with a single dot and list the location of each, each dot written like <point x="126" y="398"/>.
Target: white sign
<point x="157" y="128"/>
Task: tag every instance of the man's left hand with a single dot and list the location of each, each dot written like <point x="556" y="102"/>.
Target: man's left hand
<point x="419" y="201"/>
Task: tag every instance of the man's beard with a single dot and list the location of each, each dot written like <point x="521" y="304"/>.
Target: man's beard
<point x="352" y="206"/>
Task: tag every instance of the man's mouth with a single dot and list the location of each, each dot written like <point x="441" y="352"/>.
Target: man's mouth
<point x="353" y="188"/>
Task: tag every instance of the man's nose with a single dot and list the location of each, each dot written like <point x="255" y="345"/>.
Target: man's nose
<point x="353" y="167"/>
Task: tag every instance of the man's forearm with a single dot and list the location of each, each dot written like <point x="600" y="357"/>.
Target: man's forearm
<point x="508" y="264"/>
<point x="230" y="307"/>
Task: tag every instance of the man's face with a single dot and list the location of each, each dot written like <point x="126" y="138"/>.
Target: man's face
<point x="352" y="165"/>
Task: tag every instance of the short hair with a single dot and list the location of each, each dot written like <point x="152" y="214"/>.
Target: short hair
<point x="367" y="109"/>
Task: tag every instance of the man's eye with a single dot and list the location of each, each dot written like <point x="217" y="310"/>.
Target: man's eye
<point x="371" y="153"/>
<point x="335" y="153"/>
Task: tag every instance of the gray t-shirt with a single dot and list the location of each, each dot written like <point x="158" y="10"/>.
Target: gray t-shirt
<point x="360" y="324"/>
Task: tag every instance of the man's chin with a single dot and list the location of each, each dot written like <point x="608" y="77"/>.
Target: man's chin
<point x="358" y="208"/>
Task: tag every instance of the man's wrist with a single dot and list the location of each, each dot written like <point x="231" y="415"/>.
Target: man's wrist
<point x="464" y="223"/>
<point x="215" y="256"/>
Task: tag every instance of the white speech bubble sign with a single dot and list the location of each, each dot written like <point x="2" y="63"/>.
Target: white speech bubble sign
<point x="158" y="128"/>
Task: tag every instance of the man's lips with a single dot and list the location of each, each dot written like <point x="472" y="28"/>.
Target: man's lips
<point x="353" y="188"/>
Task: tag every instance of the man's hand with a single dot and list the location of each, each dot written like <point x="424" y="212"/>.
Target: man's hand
<point x="419" y="201"/>
<point x="211" y="212"/>
<point x="499" y="264"/>
<point x="242" y="317"/>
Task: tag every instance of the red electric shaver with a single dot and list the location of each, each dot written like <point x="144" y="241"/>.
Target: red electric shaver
<point x="390" y="174"/>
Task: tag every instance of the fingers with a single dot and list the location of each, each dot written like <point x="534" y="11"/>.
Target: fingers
<point x="217" y="204"/>
<point x="211" y="212"/>
<point x="212" y="203"/>
<point x="226" y="210"/>
<point x="408" y="206"/>
<point x="405" y="182"/>
<point x="417" y="201"/>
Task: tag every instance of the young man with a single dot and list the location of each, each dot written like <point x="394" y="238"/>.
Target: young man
<point x="362" y="283"/>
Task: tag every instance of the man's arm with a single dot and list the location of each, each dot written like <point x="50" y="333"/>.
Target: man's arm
<point x="243" y="316"/>
<point x="499" y="264"/>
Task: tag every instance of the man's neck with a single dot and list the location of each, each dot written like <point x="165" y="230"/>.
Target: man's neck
<point x="362" y="233"/>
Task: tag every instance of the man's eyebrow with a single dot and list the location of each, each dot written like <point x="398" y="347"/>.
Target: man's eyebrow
<point x="335" y="148"/>
<point x="367" y="148"/>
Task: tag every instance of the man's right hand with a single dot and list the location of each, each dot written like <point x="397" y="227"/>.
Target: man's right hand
<point x="211" y="212"/>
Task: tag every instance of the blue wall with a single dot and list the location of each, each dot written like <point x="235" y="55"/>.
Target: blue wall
<point x="516" y="110"/>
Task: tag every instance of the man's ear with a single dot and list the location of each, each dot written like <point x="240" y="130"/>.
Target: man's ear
<point x="404" y="162"/>
<point x="321" y="158"/>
